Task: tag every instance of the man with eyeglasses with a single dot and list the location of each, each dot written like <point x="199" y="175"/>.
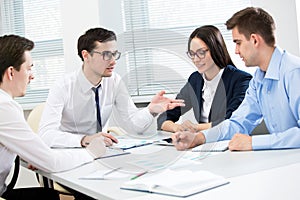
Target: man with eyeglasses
<point x="80" y="104"/>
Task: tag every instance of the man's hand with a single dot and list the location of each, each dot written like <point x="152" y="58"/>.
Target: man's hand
<point x="240" y="142"/>
<point x="96" y="147"/>
<point x="186" y="139"/>
<point x="159" y="103"/>
<point x="107" y="138"/>
<point x="190" y="126"/>
<point x="31" y="167"/>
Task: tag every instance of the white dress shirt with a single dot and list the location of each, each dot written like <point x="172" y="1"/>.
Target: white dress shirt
<point x="16" y="137"/>
<point x="208" y="93"/>
<point x="70" y="111"/>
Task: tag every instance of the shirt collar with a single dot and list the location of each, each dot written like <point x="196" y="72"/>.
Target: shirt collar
<point x="215" y="79"/>
<point x="273" y="70"/>
<point x="6" y="94"/>
<point x="84" y="83"/>
<point x="214" y="82"/>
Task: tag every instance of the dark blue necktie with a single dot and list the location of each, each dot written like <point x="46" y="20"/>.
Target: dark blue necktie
<point x="99" y="124"/>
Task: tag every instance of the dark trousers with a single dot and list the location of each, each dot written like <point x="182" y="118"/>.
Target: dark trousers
<point x="31" y="193"/>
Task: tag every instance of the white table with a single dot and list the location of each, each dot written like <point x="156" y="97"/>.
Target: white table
<point x="255" y="175"/>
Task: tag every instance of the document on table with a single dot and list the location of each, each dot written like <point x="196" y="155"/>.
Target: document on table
<point x="128" y="143"/>
<point x="181" y="183"/>
<point x="212" y="147"/>
<point x="110" y="152"/>
<point x="164" y="142"/>
<point x="106" y="175"/>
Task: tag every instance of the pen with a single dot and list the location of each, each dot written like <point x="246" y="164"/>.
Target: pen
<point x="141" y="174"/>
<point x="102" y="176"/>
<point x="111" y="171"/>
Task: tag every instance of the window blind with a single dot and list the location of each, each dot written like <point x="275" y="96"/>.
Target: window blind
<point x="39" y="21"/>
<point x="156" y="36"/>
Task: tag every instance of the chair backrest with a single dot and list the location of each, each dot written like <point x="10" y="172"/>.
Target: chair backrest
<point x="34" y="117"/>
<point x="33" y="120"/>
<point x="15" y="175"/>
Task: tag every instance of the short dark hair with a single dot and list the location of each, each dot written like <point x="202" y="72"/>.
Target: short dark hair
<point x="214" y="40"/>
<point x="254" y="20"/>
<point x="12" y="48"/>
<point x="88" y="40"/>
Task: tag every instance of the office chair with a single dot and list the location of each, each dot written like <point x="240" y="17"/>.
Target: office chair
<point x="15" y="175"/>
<point x="33" y="120"/>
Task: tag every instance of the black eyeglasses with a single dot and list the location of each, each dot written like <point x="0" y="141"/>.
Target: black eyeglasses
<point x="200" y="53"/>
<point x="108" y="55"/>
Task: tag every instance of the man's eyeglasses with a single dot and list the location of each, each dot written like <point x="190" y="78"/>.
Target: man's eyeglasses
<point x="200" y="53"/>
<point x="108" y="55"/>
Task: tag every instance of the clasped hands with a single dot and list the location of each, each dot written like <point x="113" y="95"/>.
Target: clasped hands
<point x="187" y="139"/>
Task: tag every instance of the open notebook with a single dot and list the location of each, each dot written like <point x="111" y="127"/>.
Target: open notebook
<point x="175" y="183"/>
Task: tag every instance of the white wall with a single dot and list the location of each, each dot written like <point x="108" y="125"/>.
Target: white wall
<point x="78" y="17"/>
<point x="285" y="16"/>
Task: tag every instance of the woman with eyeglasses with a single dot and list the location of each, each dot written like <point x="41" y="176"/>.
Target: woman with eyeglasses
<point x="214" y="91"/>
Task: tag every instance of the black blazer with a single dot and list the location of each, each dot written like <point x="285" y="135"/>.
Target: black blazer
<point x="229" y="95"/>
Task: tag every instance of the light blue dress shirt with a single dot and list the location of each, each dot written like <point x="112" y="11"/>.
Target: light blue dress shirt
<point x="273" y="96"/>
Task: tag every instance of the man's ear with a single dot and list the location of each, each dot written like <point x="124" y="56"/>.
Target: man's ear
<point x="84" y="54"/>
<point x="255" y="38"/>
<point x="10" y="72"/>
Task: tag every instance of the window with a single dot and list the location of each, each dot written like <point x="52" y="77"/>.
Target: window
<point x="153" y="43"/>
<point x="40" y="21"/>
<point x="155" y="39"/>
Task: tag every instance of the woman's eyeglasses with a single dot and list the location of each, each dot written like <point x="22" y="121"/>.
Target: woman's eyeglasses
<point x="200" y="53"/>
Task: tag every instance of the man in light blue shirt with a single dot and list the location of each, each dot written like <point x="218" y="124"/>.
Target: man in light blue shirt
<point x="273" y="94"/>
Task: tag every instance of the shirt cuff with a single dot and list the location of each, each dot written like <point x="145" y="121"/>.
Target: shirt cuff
<point x="261" y="142"/>
<point x="76" y="140"/>
<point x="149" y="114"/>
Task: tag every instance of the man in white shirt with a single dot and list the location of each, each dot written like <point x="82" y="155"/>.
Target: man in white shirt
<point x="70" y="115"/>
<point x="16" y="137"/>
